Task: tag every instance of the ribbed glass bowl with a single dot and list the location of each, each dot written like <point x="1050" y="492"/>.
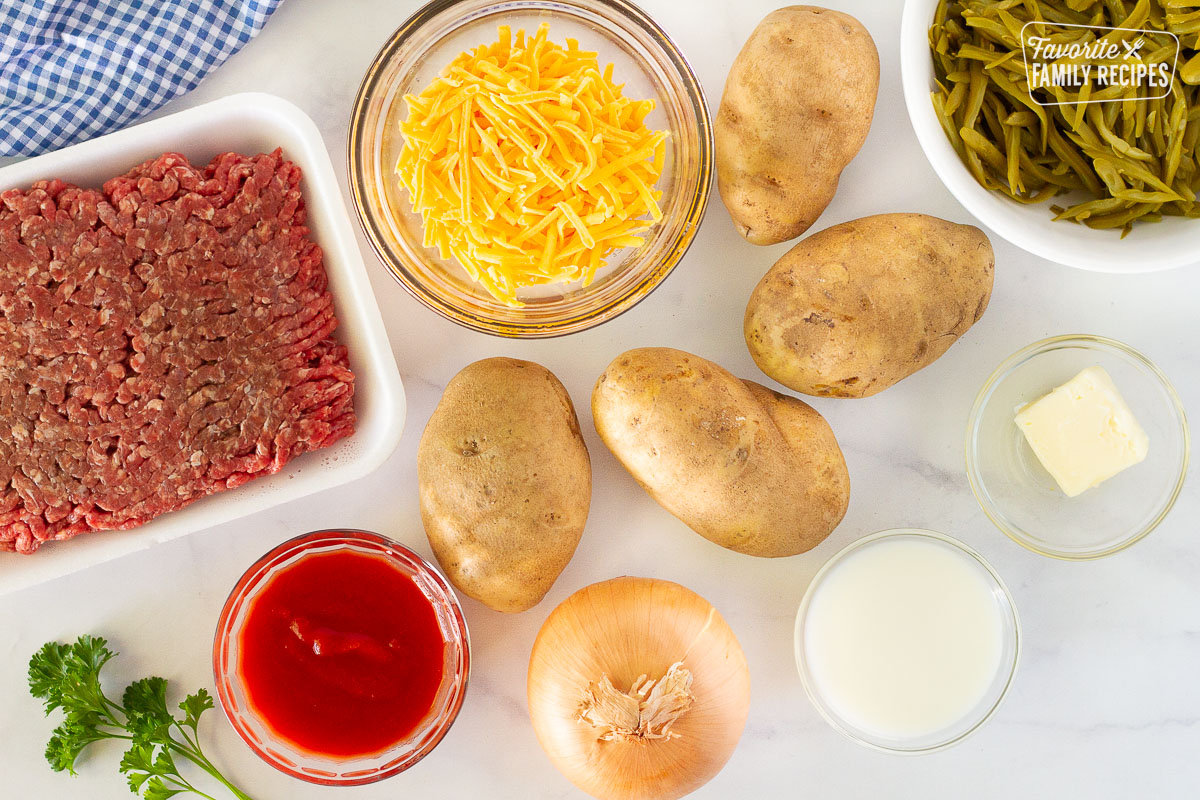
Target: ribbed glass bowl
<point x="325" y="770"/>
<point x="1021" y="497"/>
<point x="645" y="60"/>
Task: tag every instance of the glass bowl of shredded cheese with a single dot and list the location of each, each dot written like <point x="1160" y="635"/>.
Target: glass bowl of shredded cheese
<point x="530" y="168"/>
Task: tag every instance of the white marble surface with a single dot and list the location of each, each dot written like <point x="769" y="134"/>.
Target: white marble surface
<point x="1105" y="705"/>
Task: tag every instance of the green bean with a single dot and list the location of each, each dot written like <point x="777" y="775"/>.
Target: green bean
<point x="982" y="146"/>
<point x="1111" y="176"/>
<point x="1060" y="177"/>
<point x="1075" y="159"/>
<point x="954" y="99"/>
<point x="1177" y="127"/>
<point x="1085" y="210"/>
<point x="1025" y="119"/>
<point x="1013" y="153"/>
<point x="945" y="118"/>
<point x="1119" y="145"/>
<point x="1190" y="71"/>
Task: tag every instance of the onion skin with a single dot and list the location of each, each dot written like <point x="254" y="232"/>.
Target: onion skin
<point x="625" y="628"/>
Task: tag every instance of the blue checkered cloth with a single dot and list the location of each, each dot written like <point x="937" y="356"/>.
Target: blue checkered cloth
<point x="74" y="69"/>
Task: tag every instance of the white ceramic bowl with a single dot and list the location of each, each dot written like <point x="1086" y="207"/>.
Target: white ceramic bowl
<point x="1150" y="247"/>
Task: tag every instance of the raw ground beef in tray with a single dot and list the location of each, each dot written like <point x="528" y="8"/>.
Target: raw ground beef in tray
<point x="160" y="340"/>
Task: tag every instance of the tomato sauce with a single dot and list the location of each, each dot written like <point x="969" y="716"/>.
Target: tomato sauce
<point x="341" y="654"/>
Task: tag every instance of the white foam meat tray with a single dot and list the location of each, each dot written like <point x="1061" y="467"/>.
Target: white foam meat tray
<point x="246" y="123"/>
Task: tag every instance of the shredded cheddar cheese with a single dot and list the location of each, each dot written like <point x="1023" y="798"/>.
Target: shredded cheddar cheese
<point x="527" y="164"/>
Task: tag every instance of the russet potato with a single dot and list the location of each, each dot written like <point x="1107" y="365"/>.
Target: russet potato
<point x="505" y="482"/>
<point x="796" y="109"/>
<point x="748" y="468"/>
<point x="854" y="308"/>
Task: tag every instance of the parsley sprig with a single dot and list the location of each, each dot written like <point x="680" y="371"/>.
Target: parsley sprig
<point x="67" y="677"/>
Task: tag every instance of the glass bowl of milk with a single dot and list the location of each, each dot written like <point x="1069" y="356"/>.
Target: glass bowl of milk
<point x="907" y="641"/>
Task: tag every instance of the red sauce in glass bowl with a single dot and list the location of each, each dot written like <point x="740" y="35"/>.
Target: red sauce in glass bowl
<point x="341" y="654"/>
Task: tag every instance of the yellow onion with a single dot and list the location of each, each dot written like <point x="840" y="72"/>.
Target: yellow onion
<point x="638" y="689"/>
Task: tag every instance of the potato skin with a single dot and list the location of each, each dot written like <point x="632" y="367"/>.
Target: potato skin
<point x="853" y="309"/>
<point x="797" y="106"/>
<point x="750" y="469"/>
<point x="505" y="482"/>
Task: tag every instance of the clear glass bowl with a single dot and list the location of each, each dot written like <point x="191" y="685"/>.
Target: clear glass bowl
<point x="645" y="60"/>
<point x="1021" y="497"/>
<point x="938" y="740"/>
<point x="324" y="770"/>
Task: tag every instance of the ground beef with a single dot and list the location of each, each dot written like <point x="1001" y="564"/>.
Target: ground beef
<point x="162" y="339"/>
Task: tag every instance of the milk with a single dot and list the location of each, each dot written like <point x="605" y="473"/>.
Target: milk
<point x="904" y="637"/>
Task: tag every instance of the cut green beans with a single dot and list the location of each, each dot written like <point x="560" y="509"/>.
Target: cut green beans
<point x="1116" y="155"/>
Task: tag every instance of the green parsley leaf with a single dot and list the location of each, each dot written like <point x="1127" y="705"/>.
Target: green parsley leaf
<point x="148" y="698"/>
<point x="68" y="741"/>
<point x="157" y="790"/>
<point x="138" y="765"/>
<point x="47" y="669"/>
<point x="194" y="705"/>
<point x="67" y="676"/>
<point x="145" y="703"/>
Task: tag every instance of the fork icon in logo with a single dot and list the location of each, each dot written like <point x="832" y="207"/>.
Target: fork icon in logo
<point x="1132" y="50"/>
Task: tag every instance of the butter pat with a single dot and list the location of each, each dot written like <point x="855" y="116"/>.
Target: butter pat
<point x="1083" y="432"/>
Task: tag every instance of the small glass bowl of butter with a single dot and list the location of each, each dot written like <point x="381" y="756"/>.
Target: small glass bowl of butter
<point x="1077" y="446"/>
